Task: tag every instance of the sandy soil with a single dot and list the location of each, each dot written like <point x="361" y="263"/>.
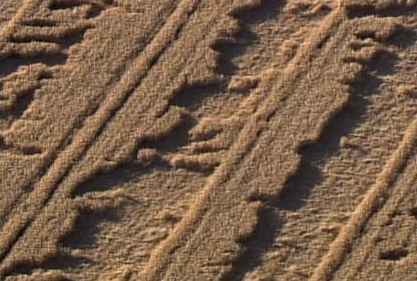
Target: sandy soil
<point x="230" y="140"/>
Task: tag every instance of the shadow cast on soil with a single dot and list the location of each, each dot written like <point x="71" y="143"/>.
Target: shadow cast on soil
<point x="299" y="186"/>
<point x="84" y="234"/>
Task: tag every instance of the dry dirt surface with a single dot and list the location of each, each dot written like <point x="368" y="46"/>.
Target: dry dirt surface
<point x="229" y="140"/>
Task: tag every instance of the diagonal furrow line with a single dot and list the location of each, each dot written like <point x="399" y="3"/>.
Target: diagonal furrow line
<point x="142" y="108"/>
<point x="45" y="188"/>
<point x="160" y="260"/>
<point x="52" y="155"/>
<point x="343" y="242"/>
<point x="402" y="190"/>
<point x="6" y="35"/>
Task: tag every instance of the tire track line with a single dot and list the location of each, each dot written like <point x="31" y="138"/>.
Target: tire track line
<point x="5" y="35"/>
<point x="403" y="189"/>
<point x="136" y="105"/>
<point x="26" y="12"/>
<point x="52" y="155"/>
<point x="160" y="258"/>
<point x="343" y="242"/>
<point x="43" y="191"/>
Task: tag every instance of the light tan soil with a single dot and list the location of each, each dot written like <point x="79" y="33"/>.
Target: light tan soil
<point x="250" y="140"/>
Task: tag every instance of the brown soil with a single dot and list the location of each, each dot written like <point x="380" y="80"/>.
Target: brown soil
<point x="229" y="140"/>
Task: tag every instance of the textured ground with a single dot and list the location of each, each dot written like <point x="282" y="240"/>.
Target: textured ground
<point x="241" y="140"/>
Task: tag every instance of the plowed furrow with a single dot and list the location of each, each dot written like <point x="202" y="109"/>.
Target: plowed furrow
<point x="26" y="211"/>
<point x="137" y="103"/>
<point x="207" y="241"/>
<point x="18" y="92"/>
<point x="387" y="241"/>
<point x="305" y="179"/>
<point x="338" y="170"/>
<point x="224" y="212"/>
